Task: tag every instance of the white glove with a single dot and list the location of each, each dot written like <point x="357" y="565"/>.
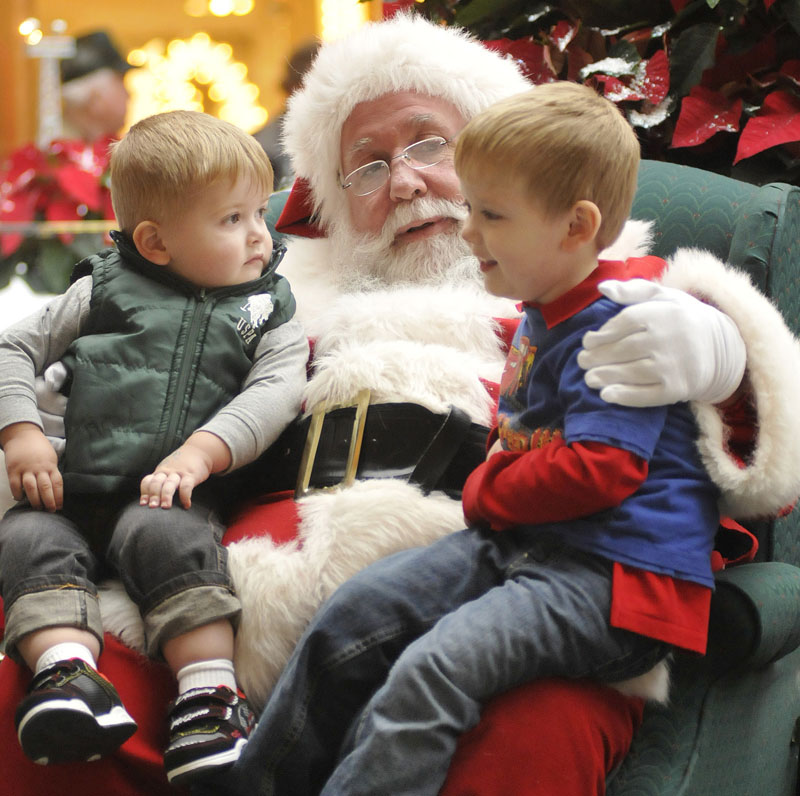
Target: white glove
<point x="52" y="404"/>
<point x="664" y="348"/>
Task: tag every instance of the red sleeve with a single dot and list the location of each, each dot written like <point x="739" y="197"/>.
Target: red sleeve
<point x="550" y="484"/>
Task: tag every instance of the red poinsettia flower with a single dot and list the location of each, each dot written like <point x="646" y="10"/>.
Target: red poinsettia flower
<point x="703" y="114"/>
<point x="63" y="182"/>
<point x="737" y="67"/>
<point x="791" y="69"/>
<point x="777" y="123"/>
<point x="534" y="58"/>
<point x="562" y="34"/>
<point x="646" y="80"/>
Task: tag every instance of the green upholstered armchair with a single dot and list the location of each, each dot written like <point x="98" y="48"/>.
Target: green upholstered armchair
<point x="732" y="724"/>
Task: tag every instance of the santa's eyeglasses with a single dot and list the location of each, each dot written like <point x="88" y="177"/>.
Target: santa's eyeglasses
<point x="421" y="155"/>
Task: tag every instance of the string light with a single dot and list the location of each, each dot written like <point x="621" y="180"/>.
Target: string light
<point x="218" y="8"/>
<point x="340" y="17"/>
<point x="193" y="74"/>
<point x="28" y="26"/>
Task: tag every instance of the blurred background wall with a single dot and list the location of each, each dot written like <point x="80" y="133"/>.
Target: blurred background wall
<point x="243" y="46"/>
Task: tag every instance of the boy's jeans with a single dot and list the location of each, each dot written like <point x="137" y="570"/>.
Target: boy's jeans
<point x="470" y="616"/>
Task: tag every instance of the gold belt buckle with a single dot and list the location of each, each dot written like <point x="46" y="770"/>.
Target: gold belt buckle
<point x="361" y="404"/>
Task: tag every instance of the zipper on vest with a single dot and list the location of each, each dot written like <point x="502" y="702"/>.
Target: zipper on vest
<point x="184" y="372"/>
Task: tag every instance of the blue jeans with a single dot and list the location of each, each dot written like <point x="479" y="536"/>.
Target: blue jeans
<point x="171" y="563"/>
<point x="398" y="663"/>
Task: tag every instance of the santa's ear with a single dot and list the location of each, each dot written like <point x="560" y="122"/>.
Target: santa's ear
<point x="148" y="242"/>
<point x="584" y="224"/>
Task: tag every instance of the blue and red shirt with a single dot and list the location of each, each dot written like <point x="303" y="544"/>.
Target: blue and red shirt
<point x="625" y="483"/>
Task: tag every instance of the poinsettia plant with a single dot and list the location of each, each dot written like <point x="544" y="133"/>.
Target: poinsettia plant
<point x="711" y="83"/>
<point x="66" y="181"/>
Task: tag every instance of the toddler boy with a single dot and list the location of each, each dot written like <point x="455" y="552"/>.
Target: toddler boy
<point x="183" y="362"/>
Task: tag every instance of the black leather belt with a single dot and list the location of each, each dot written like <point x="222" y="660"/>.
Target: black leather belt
<point x="403" y="441"/>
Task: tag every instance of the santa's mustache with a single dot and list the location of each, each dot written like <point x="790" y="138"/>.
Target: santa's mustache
<point x="420" y="210"/>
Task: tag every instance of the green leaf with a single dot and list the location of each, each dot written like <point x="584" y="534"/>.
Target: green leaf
<point x="479" y="10"/>
<point x="50" y="273"/>
<point x="612" y="14"/>
<point x="690" y="55"/>
<point x="791" y="10"/>
<point x="625" y="50"/>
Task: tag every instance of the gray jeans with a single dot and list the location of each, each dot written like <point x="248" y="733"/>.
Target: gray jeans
<point x="171" y="563"/>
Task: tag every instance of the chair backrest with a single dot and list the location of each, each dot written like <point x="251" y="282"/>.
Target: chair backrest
<point x="274" y="208"/>
<point x="753" y="228"/>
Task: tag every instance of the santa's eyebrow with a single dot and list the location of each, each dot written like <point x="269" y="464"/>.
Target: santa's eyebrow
<point x="418" y="121"/>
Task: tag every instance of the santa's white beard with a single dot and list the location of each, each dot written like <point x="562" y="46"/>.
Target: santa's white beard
<point x="373" y="262"/>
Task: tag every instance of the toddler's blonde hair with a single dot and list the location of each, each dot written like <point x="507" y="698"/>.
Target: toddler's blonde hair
<point x="167" y="158"/>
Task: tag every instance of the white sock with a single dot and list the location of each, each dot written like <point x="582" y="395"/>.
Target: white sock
<point x="63" y="652"/>
<point x="206" y="674"/>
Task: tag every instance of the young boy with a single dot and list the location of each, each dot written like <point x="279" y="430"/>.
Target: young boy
<point x="183" y="362"/>
<point x="589" y="555"/>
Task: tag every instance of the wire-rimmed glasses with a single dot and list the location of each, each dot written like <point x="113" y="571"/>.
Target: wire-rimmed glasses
<point x="368" y="178"/>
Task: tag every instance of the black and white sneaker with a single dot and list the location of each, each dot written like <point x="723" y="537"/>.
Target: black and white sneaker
<point x="71" y="713"/>
<point x="208" y="728"/>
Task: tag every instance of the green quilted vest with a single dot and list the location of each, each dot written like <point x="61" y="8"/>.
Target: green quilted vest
<point x="156" y="359"/>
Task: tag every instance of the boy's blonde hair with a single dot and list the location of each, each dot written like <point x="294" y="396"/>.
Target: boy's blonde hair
<point x="164" y="159"/>
<point x="565" y="142"/>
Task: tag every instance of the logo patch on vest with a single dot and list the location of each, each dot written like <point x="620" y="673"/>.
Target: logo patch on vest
<point x="259" y="308"/>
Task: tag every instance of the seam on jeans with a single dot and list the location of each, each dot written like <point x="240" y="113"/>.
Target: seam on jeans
<point x="366" y="643"/>
<point x="295" y="729"/>
<point x="40" y="589"/>
<point x="657" y="652"/>
<point x="146" y="608"/>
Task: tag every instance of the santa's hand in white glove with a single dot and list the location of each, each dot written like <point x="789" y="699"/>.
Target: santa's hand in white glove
<point x="52" y="404"/>
<point x="665" y="347"/>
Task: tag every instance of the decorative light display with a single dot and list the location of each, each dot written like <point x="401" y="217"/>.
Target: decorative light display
<point x="340" y="17"/>
<point x="193" y="74"/>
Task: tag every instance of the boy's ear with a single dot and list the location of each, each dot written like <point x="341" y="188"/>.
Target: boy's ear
<point x="147" y="239"/>
<point x="584" y="224"/>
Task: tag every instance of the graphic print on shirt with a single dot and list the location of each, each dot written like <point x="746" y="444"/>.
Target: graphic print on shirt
<point x="515" y="374"/>
<point x="513" y="387"/>
<point x="259" y="308"/>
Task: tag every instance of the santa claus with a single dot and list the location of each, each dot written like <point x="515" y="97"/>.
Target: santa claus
<point x="408" y="350"/>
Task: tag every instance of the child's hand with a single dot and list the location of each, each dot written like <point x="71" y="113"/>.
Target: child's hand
<point x="200" y="456"/>
<point x="32" y="466"/>
<point x="180" y="472"/>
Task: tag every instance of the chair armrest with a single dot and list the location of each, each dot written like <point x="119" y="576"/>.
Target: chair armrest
<point x="755" y="616"/>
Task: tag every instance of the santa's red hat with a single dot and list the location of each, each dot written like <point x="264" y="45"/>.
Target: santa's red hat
<point x="406" y="53"/>
<point x="297" y="216"/>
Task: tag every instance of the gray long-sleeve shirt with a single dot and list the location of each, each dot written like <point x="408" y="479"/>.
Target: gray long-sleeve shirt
<point x="268" y="401"/>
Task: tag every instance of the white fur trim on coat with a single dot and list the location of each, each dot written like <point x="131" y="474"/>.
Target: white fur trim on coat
<point x="771" y="479"/>
<point x="341" y="533"/>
